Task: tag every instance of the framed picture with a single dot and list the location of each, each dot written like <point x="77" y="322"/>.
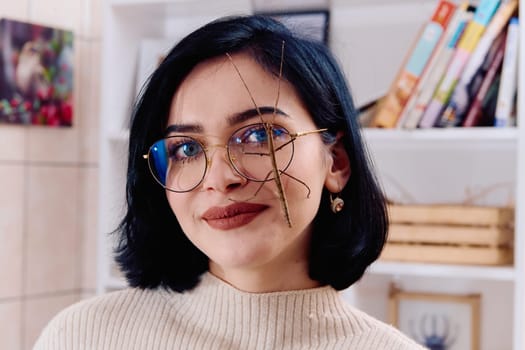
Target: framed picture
<point x="437" y="321"/>
<point x="311" y="24"/>
<point x="36" y="74"/>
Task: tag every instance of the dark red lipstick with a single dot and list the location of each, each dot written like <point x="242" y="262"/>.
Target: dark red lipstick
<point x="232" y="216"/>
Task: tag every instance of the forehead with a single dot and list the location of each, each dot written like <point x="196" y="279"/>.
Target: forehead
<point x="224" y="69"/>
<point x="214" y="89"/>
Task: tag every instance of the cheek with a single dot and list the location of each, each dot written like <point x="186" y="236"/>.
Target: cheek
<point x="307" y="175"/>
<point x="181" y="206"/>
<point x="311" y="161"/>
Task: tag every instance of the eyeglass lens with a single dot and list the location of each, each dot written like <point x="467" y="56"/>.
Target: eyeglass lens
<point x="179" y="163"/>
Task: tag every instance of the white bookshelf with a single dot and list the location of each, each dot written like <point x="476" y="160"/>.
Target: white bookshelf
<point x="481" y="135"/>
<point x="449" y="271"/>
<point x="466" y="160"/>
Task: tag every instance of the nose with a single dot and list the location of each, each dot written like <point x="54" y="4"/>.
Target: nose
<point x="220" y="175"/>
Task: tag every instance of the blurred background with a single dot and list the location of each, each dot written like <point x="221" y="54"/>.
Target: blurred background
<point x="62" y="189"/>
<point x="48" y="187"/>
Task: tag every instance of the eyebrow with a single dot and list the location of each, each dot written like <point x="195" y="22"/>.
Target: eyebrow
<point x="234" y="119"/>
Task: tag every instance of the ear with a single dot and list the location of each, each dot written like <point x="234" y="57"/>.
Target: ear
<point x="340" y="170"/>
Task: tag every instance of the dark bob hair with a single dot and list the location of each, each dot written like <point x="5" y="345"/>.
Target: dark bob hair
<point x="154" y="251"/>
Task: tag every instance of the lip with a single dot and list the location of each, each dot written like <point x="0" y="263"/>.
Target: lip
<point x="232" y="216"/>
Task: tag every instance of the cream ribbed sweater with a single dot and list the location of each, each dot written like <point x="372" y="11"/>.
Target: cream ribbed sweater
<point x="217" y="316"/>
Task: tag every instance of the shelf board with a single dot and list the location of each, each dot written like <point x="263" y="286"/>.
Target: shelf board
<point x="493" y="273"/>
<point x="442" y="134"/>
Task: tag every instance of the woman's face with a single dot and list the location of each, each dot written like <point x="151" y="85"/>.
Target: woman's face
<point x="237" y="223"/>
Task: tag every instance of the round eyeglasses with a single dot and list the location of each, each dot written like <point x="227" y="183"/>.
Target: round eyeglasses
<point x="179" y="163"/>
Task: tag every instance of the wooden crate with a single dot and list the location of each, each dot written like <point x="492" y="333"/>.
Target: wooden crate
<point x="450" y="234"/>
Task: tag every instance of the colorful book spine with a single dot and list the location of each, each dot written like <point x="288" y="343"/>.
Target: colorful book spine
<point x="488" y="104"/>
<point x="461" y="99"/>
<point x="484" y="13"/>
<point x="474" y="113"/>
<point x="480" y="59"/>
<point x="509" y="76"/>
<point x="436" y="67"/>
<point x="393" y="103"/>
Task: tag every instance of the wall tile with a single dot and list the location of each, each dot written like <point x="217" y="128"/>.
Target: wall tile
<point x="91" y="18"/>
<point x="11" y="229"/>
<point x="52" y="249"/>
<point x="88" y="101"/>
<point x="13" y="142"/>
<point x="14" y="9"/>
<point x="62" y="144"/>
<point x="64" y="14"/>
<point x="39" y="311"/>
<point x="10" y="322"/>
<point x="97" y="16"/>
<point x="89" y="228"/>
<point x="46" y="144"/>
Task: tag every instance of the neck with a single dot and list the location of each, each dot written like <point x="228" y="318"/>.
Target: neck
<point x="294" y="277"/>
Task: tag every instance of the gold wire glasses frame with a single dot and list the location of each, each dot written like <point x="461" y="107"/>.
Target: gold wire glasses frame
<point x="179" y="163"/>
<point x="261" y="161"/>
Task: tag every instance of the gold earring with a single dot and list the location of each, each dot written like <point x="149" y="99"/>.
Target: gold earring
<point x="336" y="204"/>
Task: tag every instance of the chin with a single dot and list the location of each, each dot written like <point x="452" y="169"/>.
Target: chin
<point x="239" y="258"/>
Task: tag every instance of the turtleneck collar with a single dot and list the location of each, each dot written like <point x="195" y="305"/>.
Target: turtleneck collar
<point x="220" y="308"/>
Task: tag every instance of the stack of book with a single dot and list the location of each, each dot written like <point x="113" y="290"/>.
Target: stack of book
<point x="461" y="70"/>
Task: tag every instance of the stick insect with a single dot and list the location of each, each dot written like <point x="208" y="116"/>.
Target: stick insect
<point x="268" y="127"/>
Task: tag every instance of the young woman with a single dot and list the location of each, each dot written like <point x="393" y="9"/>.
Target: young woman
<point x="251" y="201"/>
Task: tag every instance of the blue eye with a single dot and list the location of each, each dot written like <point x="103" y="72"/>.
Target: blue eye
<point x="257" y="134"/>
<point x="279" y="132"/>
<point x="184" y="150"/>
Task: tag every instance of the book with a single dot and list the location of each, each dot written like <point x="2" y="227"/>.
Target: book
<point x="488" y="104"/>
<point x="390" y="108"/>
<point x="476" y="67"/>
<point x="461" y="99"/>
<point x="474" y="114"/>
<point x="509" y="76"/>
<point x="484" y="13"/>
<point x="423" y="91"/>
<point x="366" y="112"/>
